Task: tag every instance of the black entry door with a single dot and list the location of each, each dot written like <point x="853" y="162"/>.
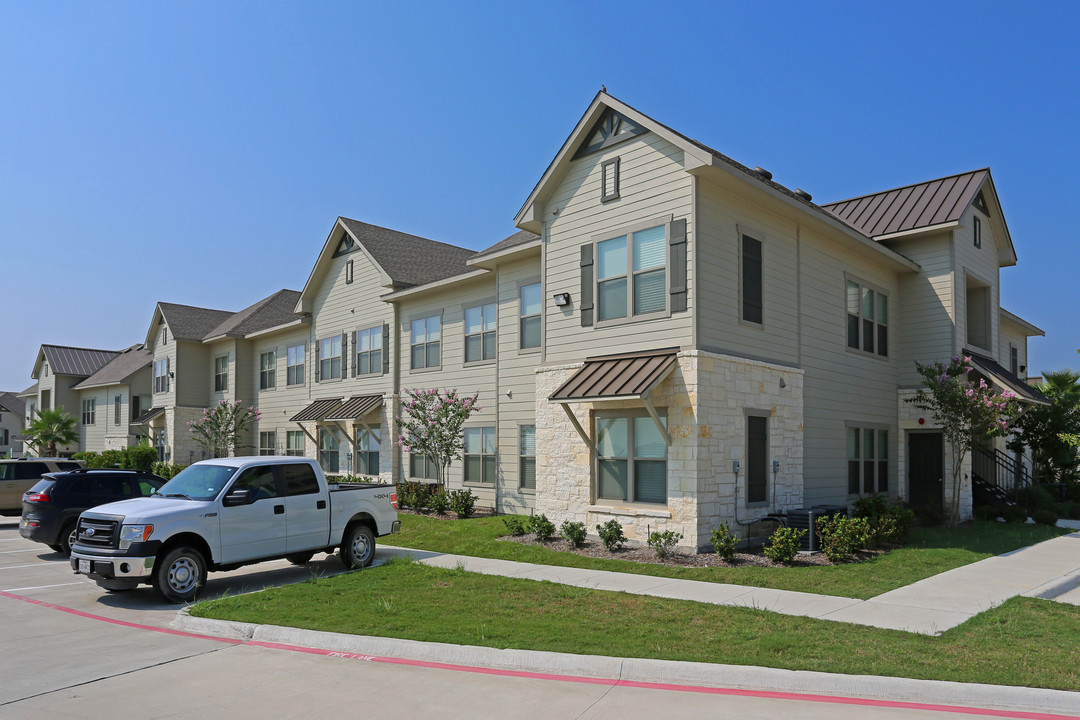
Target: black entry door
<point x="925" y="476"/>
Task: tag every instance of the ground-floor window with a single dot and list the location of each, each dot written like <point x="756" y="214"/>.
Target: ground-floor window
<point x="480" y="455"/>
<point x="421" y="466"/>
<point x="868" y="460"/>
<point x="631" y="462"/>
<point x="328" y="451"/>
<point x="294" y="442"/>
<point x="527" y="454"/>
<point x="367" y="452"/>
<point x="267" y="443"/>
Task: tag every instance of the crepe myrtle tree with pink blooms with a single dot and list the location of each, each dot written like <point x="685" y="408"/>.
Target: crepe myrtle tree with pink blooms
<point x="968" y="413"/>
<point x="432" y="423"/>
<point x="221" y="427"/>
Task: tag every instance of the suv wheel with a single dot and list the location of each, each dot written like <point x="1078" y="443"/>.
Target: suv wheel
<point x="67" y="538"/>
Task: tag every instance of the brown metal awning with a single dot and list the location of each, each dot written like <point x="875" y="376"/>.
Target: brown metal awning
<point x="617" y="377"/>
<point x="147" y="416"/>
<point x="316" y="410"/>
<point x="1006" y="380"/>
<point x="356" y="407"/>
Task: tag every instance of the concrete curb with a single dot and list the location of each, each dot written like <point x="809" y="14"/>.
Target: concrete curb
<point x="759" y="679"/>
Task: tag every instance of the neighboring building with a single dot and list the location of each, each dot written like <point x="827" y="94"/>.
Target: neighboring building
<point x="112" y="398"/>
<point x="12" y="412"/>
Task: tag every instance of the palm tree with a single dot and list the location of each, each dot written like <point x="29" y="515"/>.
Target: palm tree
<point x="50" y="428"/>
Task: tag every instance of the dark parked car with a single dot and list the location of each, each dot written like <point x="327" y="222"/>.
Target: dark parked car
<point x="50" y="509"/>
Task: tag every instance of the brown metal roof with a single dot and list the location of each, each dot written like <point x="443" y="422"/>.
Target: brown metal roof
<point x="1005" y="380"/>
<point x="356" y="407"/>
<point x="613" y="377"/>
<point x="147" y="416"/>
<point x="82" y="362"/>
<point x="316" y="410"/>
<point x="912" y="207"/>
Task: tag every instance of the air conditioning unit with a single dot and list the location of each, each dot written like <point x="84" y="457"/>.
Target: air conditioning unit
<point x="806" y="519"/>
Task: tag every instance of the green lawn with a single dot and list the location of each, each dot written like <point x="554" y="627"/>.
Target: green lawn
<point x="1024" y="642"/>
<point x="932" y="551"/>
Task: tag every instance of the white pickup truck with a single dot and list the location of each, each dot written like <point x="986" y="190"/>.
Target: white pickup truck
<point x="224" y="513"/>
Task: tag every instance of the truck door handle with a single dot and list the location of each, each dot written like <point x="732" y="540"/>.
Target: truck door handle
<point x="279" y="509"/>
<point x="321" y="505"/>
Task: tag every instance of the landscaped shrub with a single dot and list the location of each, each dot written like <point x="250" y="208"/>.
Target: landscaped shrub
<point x="544" y="528"/>
<point x="516" y="525"/>
<point x="841" y="536"/>
<point x="439" y="501"/>
<point x="140" y="457"/>
<point x="986" y="512"/>
<point x="166" y="470"/>
<point x="463" y="502"/>
<point x="115" y="458"/>
<point x="724" y="541"/>
<point x="1037" y="497"/>
<point x="611" y="534"/>
<point x="92" y="459"/>
<point x="890" y="522"/>
<point x="574" y="533"/>
<point x="663" y="543"/>
<point x="1015" y="514"/>
<point x="1045" y="517"/>
<point x="784" y="544"/>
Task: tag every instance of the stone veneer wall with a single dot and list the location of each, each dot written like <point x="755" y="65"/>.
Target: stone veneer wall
<point x="909" y="421"/>
<point x="706" y="398"/>
<point x="183" y="448"/>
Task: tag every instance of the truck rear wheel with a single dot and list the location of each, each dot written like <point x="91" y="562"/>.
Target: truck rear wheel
<point x="180" y="574"/>
<point x="358" y="547"/>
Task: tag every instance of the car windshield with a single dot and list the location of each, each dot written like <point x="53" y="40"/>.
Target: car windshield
<point x="198" y="482"/>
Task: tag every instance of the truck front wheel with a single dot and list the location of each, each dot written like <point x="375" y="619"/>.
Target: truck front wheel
<point x="358" y="547"/>
<point x="180" y="574"/>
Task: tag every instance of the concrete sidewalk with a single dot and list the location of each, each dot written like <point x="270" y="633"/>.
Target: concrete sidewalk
<point x="1048" y="570"/>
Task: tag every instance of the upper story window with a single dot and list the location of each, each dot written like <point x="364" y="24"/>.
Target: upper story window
<point x="868" y="460"/>
<point x="751" y="280"/>
<point x="631" y="274"/>
<point x="268" y="370"/>
<point x="1014" y="360"/>
<point x="330" y="353"/>
<point x="221" y="373"/>
<point x="164" y="334"/>
<point x="867" y="319"/>
<point x="976" y="231"/>
<point x="45" y="369"/>
<point x="529" y="331"/>
<point x="369" y="351"/>
<point x="88" y="411"/>
<point x="631" y="458"/>
<point x="978" y="297"/>
<point x="480" y="324"/>
<point x="161" y="375"/>
<point x="609" y="180"/>
<point x="349" y="272"/>
<point x="294" y="365"/>
<point x="425" y="342"/>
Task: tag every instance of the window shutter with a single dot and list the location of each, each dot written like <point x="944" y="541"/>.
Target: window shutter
<point x="677" y="270"/>
<point x="586" y="291"/>
<point x="318" y="364"/>
<point x="354" y="345"/>
<point x="345" y="355"/>
<point x="385" y="348"/>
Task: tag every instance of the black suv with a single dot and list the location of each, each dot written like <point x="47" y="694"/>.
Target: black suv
<point x="50" y="509"/>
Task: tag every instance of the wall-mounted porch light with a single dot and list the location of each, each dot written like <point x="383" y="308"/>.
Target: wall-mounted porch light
<point x="561" y="299"/>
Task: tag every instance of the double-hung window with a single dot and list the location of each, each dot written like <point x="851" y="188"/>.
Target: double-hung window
<point x="529" y="331"/>
<point x="294" y="442"/>
<point x="294" y="367"/>
<point x="867" y="319"/>
<point x="267" y="370"/>
<point x="221" y="373"/>
<point x="330" y="358"/>
<point x="632" y="274"/>
<point x="527" y="456"/>
<point x="480" y="455"/>
<point x="267" y="442"/>
<point x="631" y="463"/>
<point x="868" y="460"/>
<point x="421" y="466"/>
<point x="369" y="351"/>
<point x="328" y="451"/>
<point x="425" y="341"/>
<point x="88" y="411"/>
<point x="367" y="452"/>
<point x="161" y="375"/>
<point x="480" y="333"/>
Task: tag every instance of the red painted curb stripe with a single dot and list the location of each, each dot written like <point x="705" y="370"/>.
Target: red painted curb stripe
<point x="767" y="694"/>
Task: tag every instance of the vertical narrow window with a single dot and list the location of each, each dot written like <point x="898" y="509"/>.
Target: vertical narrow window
<point x="294" y="442"/>
<point x="161" y="375"/>
<point x="867" y="319"/>
<point x="883" y="461"/>
<point x="853" y="454"/>
<point x="613" y="450"/>
<point x="117" y="402"/>
<point x="268" y="370"/>
<point x="977" y="231"/>
<point x="367" y="451"/>
<point x="609" y="180"/>
<point x="757" y="452"/>
<point x="426" y="340"/>
<point x="751" y="280"/>
<point x="221" y="373"/>
<point x="328" y="451"/>
<point x="611" y="278"/>
<point x="883" y="324"/>
<point x="650" y="276"/>
<point x="529" y="332"/>
<point x="527" y="456"/>
<point x="869" y="443"/>
<point x="369" y="351"/>
<point x="480" y="333"/>
<point x="330" y="358"/>
<point x="480" y="455"/>
<point x="267" y="443"/>
<point x="348" y="272"/>
<point x="1014" y="360"/>
<point x="294" y="370"/>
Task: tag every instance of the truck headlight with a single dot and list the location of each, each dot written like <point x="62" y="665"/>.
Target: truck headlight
<point x="133" y="534"/>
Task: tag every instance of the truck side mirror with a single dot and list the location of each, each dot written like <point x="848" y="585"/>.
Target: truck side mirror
<point x="241" y="496"/>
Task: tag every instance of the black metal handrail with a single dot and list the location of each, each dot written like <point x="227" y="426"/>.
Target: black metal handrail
<point x="999" y="469"/>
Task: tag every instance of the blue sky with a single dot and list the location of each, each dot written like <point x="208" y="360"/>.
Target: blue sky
<point x="199" y="153"/>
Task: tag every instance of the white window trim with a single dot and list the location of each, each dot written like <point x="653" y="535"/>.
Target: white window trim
<point x="521" y="456"/>
<point x="302" y="364"/>
<point x="441" y="341"/>
<point x="465" y="336"/>
<point x="519" y="317"/>
<point x="374" y="369"/>
<point x="225" y="385"/>
<point x="273" y="370"/>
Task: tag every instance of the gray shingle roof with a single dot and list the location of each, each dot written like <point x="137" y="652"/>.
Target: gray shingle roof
<point x="410" y="260"/>
<point x="278" y="309"/>
<point x="120" y="368"/>
<point x="82" y="362"/>
<point x="911" y="207"/>
<point x="191" y="323"/>
<point x="10" y="402"/>
<point x="32" y="390"/>
<point x="522" y="237"/>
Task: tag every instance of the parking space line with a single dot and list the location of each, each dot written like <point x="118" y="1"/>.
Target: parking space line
<point x="15" y="567"/>
<point x="40" y="587"/>
<point x="12" y="552"/>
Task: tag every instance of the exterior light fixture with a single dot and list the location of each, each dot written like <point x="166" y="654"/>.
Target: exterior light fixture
<point x="561" y="299"/>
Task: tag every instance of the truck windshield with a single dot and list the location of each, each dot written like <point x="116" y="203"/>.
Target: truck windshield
<point x="198" y="482"/>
